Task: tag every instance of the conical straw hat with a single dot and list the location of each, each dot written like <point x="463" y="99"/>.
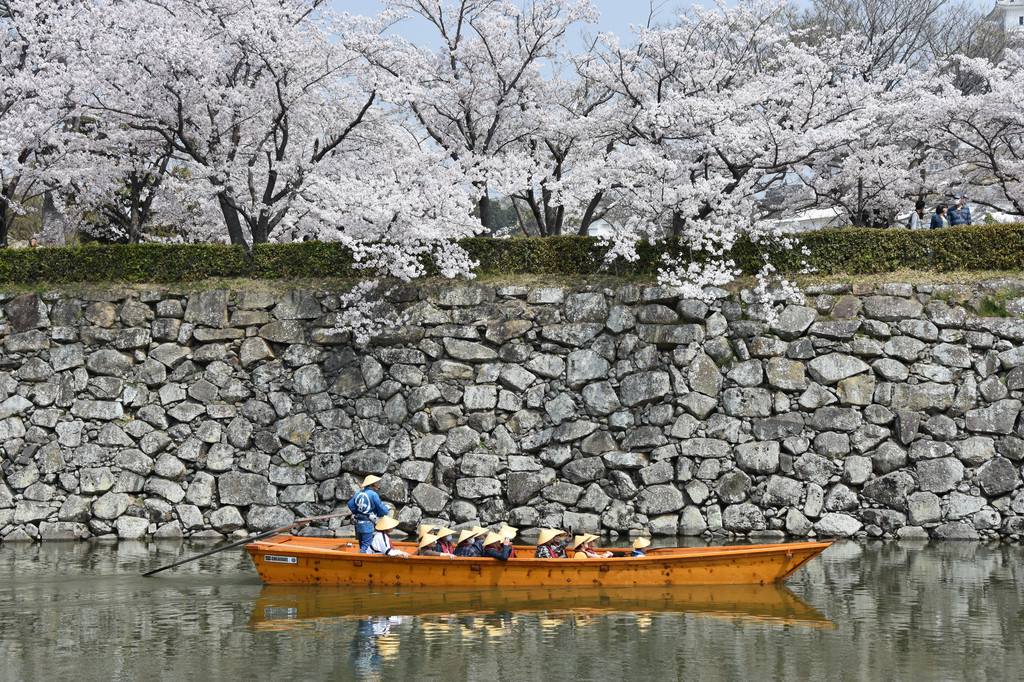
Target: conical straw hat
<point x="579" y="540"/>
<point x="427" y="540"/>
<point x="424" y="529"/>
<point x="492" y="538"/>
<point x="548" y="534"/>
<point x="467" y="534"/>
<point x="443" y="532"/>
<point x="507" y="531"/>
<point x="370" y="480"/>
<point x="640" y="543"/>
<point x="387" y="523"/>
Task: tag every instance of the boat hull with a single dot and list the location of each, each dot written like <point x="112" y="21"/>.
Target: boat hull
<point x="291" y="560"/>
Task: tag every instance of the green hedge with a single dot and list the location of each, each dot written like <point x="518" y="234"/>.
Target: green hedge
<point x="849" y="250"/>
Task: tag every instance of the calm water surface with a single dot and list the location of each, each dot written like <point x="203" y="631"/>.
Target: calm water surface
<point x="873" y="611"/>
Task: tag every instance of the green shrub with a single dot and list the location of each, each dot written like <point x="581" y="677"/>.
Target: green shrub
<point x="849" y="250"/>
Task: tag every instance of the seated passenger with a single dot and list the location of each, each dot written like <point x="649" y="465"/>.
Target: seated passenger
<point x="466" y="546"/>
<point x="509" y="533"/>
<point x="444" y="543"/>
<point x="546" y="546"/>
<point x="497" y="547"/>
<point x="639" y="545"/>
<point x="481" y="532"/>
<point x="381" y="542"/>
<point x="426" y="546"/>
<point x="583" y="544"/>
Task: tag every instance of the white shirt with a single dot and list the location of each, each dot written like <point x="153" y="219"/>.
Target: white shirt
<point x="381" y="544"/>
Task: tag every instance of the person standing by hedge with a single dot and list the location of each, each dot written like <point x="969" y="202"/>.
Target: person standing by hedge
<point x="961" y="213"/>
<point x="917" y="217"/>
<point x="939" y="219"/>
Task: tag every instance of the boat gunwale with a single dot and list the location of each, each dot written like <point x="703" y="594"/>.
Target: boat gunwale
<point x="680" y="554"/>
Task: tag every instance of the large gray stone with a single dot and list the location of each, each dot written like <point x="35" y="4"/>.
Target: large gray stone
<point x="891" y="490"/>
<point x="831" y="368"/>
<point x="524" y="486"/>
<point x="758" y="457"/>
<point x="131" y="527"/>
<point x="600" y="398"/>
<point x="477" y="488"/>
<point x="263" y="518"/>
<point x="704" y="376"/>
<point x="997" y="418"/>
<point x="584" y="470"/>
<point x="743" y="518"/>
<point x="208" y="308"/>
<point x="240" y="488"/>
<point x="997" y="477"/>
<point x="430" y="498"/>
<point x="794" y="321"/>
<point x="923" y="397"/>
<point x="789" y="375"/>
<point x="644" y="387"/>
<point x="891" y="308"/>
<point x="747" y="402"/>
<point x="660" y="499"/>
<point x="939" y="475"/>
<point x="837" y="525"/>
<point x="923" y="507"/>
<point x="782" y="491"/>
<point x="586" y="307"/>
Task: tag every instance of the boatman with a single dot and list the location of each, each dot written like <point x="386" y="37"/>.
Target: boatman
<point x="367" y="509"/>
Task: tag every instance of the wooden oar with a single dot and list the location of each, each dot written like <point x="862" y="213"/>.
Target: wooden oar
<point x="254" y="538"/>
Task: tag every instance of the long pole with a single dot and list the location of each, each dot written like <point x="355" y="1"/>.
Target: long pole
<point x="254" y="538"/>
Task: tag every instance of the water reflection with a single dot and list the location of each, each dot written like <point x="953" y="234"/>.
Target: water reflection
<point x="860" y="611"/>
<point x="282" y="606"/>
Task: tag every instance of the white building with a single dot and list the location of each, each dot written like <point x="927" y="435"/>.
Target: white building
<point x="1010" y="13"/>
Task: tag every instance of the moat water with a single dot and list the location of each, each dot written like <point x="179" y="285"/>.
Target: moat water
<point x="861" y="611"/>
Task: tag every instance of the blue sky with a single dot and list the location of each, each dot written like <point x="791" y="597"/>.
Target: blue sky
<point x="616" y="15"/>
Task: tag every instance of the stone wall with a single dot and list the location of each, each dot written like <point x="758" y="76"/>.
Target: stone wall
<point x="869" y="411"/>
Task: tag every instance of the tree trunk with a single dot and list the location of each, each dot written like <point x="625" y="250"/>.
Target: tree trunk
<point x="485" y="213"/>
<point x="5" y="222"/>
<point x="588" y="215"/>
<point x="678" y="223"/>
<point x="233" y="222"/>
<point x="52" y="224"/>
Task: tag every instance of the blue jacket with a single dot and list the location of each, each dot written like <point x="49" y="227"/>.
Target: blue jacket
<point x="467" y="550"/>
<point x="500" y="555"/>
<point x="367" y="502"/>
<point x="959" y="216"/>
<point x="937" y="222"/>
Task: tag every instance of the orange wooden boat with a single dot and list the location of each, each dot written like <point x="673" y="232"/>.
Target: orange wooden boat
<point x="301" y="606"/>
<point x="294" y="560"/>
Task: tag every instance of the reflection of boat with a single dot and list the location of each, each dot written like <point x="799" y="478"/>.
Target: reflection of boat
<point x="288" y="559"/>
<point x="289" y="606"/>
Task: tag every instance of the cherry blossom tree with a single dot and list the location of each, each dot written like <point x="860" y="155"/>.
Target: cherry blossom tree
<point x="717" y="110"/>
<point x="477" y="95"/>
<point x="253" y="96"/>
<point x="980" y="135"/>
<point x="39" y="93"/>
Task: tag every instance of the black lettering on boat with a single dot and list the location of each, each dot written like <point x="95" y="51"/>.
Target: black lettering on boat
<point x="272" y="558"/>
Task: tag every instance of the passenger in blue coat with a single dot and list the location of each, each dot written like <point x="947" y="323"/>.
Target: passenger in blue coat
<point x="639" y="545"/>
<point x="367" y="509"/>
<point x="939" y="218"/>
<point x="961" y="213"/>
<point x="497" y="547"/>
<point x="466" y="546"/>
